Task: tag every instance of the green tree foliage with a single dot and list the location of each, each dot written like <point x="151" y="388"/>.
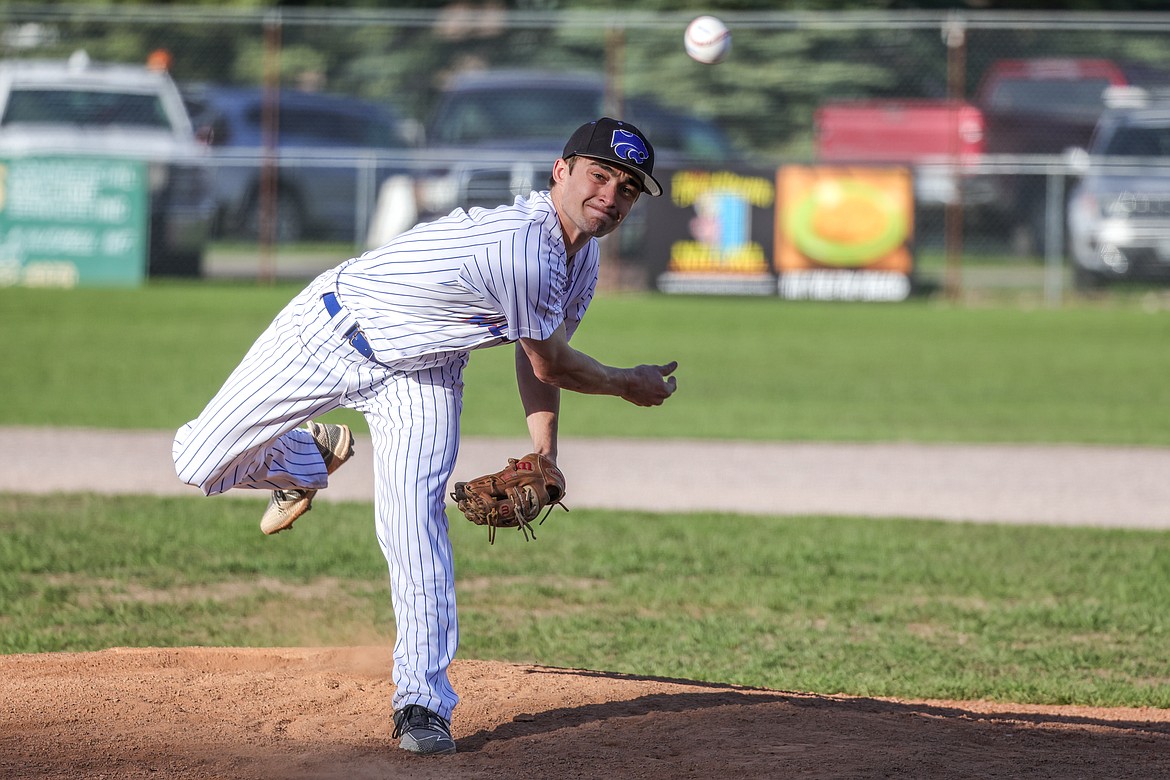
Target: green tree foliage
<point x="781" y="69"/>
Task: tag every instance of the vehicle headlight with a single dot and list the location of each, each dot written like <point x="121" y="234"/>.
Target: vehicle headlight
<point x="1116" y="231"/>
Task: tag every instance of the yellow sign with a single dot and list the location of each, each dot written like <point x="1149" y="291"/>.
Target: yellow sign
<point x="720" y="230"/>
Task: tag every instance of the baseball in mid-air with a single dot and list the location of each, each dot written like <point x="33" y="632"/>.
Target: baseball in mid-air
<point x="707" y="40"/>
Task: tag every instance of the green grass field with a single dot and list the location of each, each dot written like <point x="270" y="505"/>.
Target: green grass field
<point x="749" y="368"/>
<point x="871" y="607"/>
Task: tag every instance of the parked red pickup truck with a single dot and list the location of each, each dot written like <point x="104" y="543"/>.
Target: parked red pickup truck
<point x="1022" y="107"/>
<point x="926" y="134"/>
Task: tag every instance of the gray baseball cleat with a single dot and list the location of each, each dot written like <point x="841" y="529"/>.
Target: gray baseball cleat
<point x="336" y="445"/>
<point x="420" y="730"/>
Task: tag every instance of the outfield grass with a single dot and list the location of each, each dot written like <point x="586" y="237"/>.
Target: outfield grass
<point x="749" y="368"/>
<point x="871" y="607"/>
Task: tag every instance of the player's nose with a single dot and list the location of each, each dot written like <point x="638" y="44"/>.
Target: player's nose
<point x="608" y="196"/>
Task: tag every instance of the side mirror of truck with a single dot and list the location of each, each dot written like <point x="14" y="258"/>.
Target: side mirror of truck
<point x="1077" y="160"/>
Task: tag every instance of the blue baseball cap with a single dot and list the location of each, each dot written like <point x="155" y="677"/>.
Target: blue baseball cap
<point x="617" y="142"/>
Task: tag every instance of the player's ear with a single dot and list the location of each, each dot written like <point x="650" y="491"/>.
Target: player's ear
<point x="560" y="171"/>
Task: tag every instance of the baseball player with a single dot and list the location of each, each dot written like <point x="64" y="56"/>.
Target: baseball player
<point x="389" y="334"/>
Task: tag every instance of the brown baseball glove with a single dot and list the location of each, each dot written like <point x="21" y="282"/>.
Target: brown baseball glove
<point x="512" y="497"/>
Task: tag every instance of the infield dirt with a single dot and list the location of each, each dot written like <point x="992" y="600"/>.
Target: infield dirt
<point x="266" y="714"/>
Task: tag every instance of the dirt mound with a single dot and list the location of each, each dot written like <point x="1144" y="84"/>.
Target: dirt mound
<point x="324" y="713"/>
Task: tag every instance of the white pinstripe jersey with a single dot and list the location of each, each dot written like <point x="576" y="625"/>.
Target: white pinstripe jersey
<point x="468" y="280"/>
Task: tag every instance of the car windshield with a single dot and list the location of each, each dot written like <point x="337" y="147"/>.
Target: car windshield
<point x="552" y="114"/>
<point x="502" y="116"/>
<point x="85" y="108"/>
<point x="1056" y="97"/>
<point x="1139" y="142"/>
<point x="309" y="126"/>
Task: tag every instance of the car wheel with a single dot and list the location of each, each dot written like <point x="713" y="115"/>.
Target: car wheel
<point x="1085" y="280"/>
<point x="186" y="264"/>
<point x="290" y="223"/>
<point x="164" y="260"/>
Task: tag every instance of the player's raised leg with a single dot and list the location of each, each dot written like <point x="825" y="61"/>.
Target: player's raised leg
<point x="248" y="434"/>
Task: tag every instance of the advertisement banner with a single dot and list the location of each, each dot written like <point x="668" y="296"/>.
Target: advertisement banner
<point x="844" y="232"/>
<point x="714" y="229"/>
<point x="72" y="221"/>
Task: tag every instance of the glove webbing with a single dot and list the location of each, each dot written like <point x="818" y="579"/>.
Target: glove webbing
<point x="525" y="526"/>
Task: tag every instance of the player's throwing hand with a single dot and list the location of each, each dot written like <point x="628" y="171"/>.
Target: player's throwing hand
<point x="651" y="385"/>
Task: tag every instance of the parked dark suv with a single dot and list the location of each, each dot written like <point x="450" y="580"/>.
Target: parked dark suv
<point x="495" y="134"/>
<point x="333" y="153"/>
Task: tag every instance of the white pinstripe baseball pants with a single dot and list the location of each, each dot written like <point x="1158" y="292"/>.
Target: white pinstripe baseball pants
<point x="247" y="437"/>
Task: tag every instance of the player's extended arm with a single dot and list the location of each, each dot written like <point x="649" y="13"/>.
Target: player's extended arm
<point x="556" y="363"/>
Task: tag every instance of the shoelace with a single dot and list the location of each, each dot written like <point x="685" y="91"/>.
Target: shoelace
<point x="414" y="715"/>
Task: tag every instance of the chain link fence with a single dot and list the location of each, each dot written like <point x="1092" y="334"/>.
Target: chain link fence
<point x="386" y="117"/>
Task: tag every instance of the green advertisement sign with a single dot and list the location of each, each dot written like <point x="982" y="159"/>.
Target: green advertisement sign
<point x="72" y="221"/>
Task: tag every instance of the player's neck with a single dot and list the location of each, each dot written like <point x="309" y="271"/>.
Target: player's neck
<point x="574" y="237"/>
<point x="576" y="243"/>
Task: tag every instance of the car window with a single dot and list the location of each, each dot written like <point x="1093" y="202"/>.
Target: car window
<point x="501" y="116"/>
<point x="1139" y="142"/>
<point x="86" y="108"/>
<point x="305" y="126"/>
<point x="511" y="117"/>
<point x="1051" y="96"/>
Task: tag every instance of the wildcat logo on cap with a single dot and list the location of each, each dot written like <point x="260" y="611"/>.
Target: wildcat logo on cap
<point x="628" y="146"/>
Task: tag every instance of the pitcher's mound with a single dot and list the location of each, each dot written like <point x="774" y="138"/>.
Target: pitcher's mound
<point x="272" y="714"/>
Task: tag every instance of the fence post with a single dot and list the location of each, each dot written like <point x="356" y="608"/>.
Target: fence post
<point x="955" y="36"/>
<point x="1054" y="236"/>
<point x="614" y="100"/>
<point x="270" y="137"/>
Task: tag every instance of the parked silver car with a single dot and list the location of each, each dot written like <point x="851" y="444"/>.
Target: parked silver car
<point x="1119" y="212"/>
<point x="78" y="107"/>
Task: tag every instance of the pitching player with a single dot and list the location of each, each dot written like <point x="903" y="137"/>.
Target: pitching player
<point x="388" y="334"/>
